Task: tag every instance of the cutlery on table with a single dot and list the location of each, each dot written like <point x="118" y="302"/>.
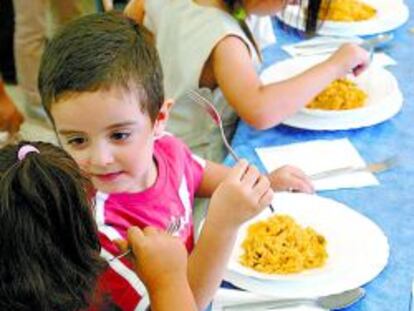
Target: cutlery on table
<point x="212" y="111"/>
<point x="371" y="44"/>
<point x="336" y="301"/>
<point x="370" y="168"/>
<point x="316" y="48"/>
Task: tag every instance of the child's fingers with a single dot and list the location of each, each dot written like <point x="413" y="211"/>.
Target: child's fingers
<point x="135" y="236"/>
<point x="121" y="244"/>
<point x="238" y="170"/>
<point x="295" y="171"/>
<point x="301" y="185"/>
<point x="300" y="180"/>
<point x="261" y="187"/>
<point x="149" y="231"/>
<point x="251" y="176"/>
<point x="267" y="198"/>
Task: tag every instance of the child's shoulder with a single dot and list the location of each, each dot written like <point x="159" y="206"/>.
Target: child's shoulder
<point x="170" y="145"/>
<point x="176" y="155"/>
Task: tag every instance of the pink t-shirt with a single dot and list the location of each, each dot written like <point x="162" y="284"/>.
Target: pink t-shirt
<point x="171" y="197"/>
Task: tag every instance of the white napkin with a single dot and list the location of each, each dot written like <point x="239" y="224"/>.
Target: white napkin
<point x="262" y="29"/>
<point x="227" y="297"/>
<point x="318" y="156"/>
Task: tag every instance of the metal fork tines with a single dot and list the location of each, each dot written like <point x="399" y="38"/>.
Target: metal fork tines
<point x="172" y="228"/>
<point x="212" y="111"/>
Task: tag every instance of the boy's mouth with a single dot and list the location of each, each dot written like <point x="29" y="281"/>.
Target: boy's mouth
<point x="108" y="177"/>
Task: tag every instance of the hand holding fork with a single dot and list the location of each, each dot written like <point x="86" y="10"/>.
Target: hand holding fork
<point x="161" y="264"/>
<point x="172" y="228"/>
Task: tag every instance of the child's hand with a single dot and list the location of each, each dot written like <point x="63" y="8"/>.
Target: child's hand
<point x="290" y="178"/>
<point x="242" y="195"/>
<point x="350" y="58"/>
<point x="108" y="5"/>
<point x="160" y="259"/>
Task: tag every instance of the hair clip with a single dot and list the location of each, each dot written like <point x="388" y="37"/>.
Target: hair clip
<point x="240" y="14"/>
<point x="25" y="150"/>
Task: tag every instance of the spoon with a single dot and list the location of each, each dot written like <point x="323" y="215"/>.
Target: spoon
<point x="335" y="301"/>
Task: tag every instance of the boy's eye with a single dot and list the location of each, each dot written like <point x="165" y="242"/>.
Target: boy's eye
<point x="120" y="135"/>
<point x="76" y="141"/>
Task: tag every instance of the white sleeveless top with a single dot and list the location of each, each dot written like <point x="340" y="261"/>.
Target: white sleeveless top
<point x="186" y="36"/>
<point x="153" y="9"/>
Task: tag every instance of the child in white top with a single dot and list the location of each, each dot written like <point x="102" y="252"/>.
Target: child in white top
<point x="202" y="45"/>
<point x="148" y="13"/>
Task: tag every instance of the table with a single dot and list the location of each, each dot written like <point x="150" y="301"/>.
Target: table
<point x="391" y="204"/>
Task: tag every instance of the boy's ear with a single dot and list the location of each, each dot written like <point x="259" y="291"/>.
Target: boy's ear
<point x="162" y="117"/>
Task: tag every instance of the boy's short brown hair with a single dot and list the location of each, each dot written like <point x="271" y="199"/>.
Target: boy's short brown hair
<point x="101" y="51"/>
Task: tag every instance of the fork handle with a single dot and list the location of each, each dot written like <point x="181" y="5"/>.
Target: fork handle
<point x="121" y="255"/>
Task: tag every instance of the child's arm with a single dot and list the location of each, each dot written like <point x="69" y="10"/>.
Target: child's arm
<point x="265" y="106"/>
<point x="242" y="195"/>
<point x="108" y="5"/>
<point x="282" y="179"/>
<point x="135" y="9"/>
<point x="10" y="117"/>
<point x="161" y="263"/>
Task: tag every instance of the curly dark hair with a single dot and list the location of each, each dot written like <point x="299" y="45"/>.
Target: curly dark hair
<point x="49" y="246"/>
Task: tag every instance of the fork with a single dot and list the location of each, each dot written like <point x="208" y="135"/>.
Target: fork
<point x="212" y="111"/>
<point x="172" y="228"/>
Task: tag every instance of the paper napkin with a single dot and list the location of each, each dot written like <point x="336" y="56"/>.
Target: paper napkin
<point x="227" y="297"/>
<point x="318" y="156"/>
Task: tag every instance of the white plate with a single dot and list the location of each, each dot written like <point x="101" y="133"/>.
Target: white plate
<point x="357" y="248"/>
<point x="383" y="102"/>
<point x="391" y="14"/>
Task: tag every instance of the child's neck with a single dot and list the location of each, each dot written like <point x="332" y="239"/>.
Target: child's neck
<point x="151" y="177"/>
<point x="148" y="179"/>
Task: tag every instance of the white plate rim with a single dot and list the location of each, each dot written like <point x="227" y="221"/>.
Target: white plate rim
<point x="399" y="17"/>
<point x="317" y="119"/>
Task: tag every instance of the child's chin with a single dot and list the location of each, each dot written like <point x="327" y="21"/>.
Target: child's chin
<point x="109" y="187"/>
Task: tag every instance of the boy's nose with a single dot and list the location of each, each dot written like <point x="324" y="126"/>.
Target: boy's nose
<point x="101" y="155"/>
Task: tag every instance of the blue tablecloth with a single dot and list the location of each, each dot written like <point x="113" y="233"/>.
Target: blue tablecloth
<point x="390" y="205"/>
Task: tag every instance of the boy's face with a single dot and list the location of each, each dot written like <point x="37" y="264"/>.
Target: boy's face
<point x="110" y="138"/>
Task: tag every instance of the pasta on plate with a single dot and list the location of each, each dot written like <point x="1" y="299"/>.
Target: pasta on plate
<point x="279" y="245"/>
<point x="346" y="11"/>
<point x="341" y="94"/>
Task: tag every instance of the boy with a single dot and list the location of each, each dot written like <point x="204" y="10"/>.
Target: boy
<point x="101" y="85"/>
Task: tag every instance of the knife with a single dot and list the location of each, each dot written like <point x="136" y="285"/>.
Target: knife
<point x="370" y="168"/>
<point x="336" y="301"/>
